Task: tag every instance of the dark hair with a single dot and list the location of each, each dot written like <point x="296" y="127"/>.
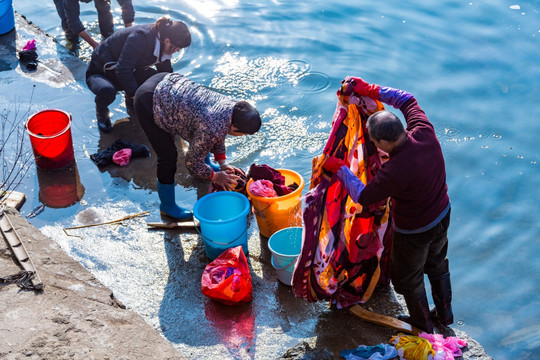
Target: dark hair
<point x="383" y="125"/>
<point x="246" y="118"/>
<point x="176" y="31"/>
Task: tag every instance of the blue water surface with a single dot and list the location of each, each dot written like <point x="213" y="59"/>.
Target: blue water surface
<point x="474" y="68"/>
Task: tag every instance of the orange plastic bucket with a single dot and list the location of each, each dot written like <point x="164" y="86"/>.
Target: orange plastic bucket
<point x="50" y="136"/>
<point x="280" y="212"/>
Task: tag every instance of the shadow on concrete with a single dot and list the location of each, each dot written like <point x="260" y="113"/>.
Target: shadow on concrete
<point x="142" y="171"/>
<point x="187" y="317"/>
<point x="8" y="51"/>
<point x="382" y="301"/>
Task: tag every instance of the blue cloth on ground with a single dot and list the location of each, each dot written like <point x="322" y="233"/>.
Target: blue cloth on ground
<point x="377" y="352"/>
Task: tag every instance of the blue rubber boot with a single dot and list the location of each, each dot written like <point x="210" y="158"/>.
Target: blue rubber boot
<point x="168" y="204"/>
<point x="211" y="164"/>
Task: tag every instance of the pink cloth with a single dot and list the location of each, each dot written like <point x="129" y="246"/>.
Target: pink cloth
<point x="122" y="157"/>
<point x="264" y="188"/>
<point x="30" y="45"/>
<point x="450" y="346"/>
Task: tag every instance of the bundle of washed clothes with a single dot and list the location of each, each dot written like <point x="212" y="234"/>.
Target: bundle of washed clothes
<point x="409" y="347"/>
<point x="28" y="56"/>
<point x="240" y="185"/>
<point x="267" y="182"/>
<point x="120" y="153"/>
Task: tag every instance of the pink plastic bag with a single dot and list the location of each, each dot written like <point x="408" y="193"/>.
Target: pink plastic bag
<point x="227" y="279"/>
<point x="30" y="45"/>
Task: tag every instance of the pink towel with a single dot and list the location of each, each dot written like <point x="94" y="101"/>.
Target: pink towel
<point x="122" y="157"/>
<point x="450" y="346"/>
<point x="264" y="188"/>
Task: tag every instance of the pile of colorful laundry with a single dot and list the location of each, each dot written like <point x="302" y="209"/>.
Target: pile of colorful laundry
<point x="268" y="182"/>
<point x="409" y="347"/>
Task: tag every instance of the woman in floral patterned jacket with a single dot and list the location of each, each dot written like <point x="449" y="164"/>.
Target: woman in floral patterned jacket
<point x="170" y="104"/>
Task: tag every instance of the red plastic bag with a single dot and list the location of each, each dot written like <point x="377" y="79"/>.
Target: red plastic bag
<point x="227" y="279"/>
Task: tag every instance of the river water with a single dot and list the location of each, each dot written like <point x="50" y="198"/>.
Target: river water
<point x="470" y="65"/>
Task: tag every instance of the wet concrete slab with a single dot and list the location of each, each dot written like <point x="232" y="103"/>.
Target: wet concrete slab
<point x="90" y="274"/>
<point x="74" y="317"/>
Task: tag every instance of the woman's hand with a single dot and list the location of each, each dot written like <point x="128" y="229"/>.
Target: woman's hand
<point x="227" y="168"/>
<point x="225" y="179"/>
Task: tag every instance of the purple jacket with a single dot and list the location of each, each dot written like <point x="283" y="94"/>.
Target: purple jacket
<point x="414" y="176"/>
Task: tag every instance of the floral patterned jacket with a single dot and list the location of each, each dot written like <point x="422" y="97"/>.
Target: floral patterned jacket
<point x="199" y="115"/>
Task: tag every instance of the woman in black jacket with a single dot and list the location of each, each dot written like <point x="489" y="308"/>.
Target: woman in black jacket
<point x="123" y="61"/>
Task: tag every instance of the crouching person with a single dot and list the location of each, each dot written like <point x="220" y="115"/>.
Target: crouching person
<point x="127" y="58"/>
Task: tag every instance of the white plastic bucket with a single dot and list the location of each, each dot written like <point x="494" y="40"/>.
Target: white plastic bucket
<point x="285" y="246"/>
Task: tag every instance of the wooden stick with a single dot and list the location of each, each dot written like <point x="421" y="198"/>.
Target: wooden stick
<point x="104" y="223"/>
<point x="174" y="225"/>
<point x="383" y="320"/>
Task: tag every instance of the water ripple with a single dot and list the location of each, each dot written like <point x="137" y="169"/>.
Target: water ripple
<point x="314" y="82"/>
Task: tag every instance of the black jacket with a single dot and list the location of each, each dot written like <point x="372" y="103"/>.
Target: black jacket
<point x="131" y="48"/>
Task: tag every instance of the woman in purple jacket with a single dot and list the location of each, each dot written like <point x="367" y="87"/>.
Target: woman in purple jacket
<point x="414" y="178"/>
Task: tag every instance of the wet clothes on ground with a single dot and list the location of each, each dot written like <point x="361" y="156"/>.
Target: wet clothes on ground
<point x="105" y="157"/>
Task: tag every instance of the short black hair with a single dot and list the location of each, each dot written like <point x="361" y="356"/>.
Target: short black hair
<point x="246" y="118"/>
<point x="384" y="125"/>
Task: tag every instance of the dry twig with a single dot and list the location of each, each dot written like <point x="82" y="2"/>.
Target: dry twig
<point x="103" y="223"/>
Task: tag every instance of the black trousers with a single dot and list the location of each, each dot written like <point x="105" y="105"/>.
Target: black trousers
<point x="70" y="36"/>
<point x="105" y="86"/>
<point x="414" y="255"/>
<point x="105" y="19"/>
<point x="162" y="142"/>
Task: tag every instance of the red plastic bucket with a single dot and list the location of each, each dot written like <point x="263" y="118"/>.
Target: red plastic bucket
<point x="50" y="136"/>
